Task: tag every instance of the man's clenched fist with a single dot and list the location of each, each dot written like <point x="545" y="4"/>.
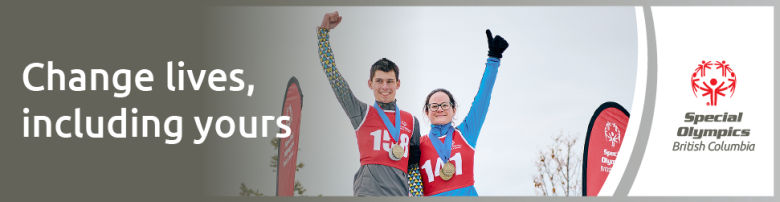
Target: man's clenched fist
<point x="331" y="20"/>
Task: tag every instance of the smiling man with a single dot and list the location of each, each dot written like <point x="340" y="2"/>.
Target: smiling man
<point x="388" y="138"/>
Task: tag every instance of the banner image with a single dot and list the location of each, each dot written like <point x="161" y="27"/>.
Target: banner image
<point x="602" y="144"/>
<point x="338" y="53"/>
<point x="553" y="100"/>
<point x="288" y="147"/>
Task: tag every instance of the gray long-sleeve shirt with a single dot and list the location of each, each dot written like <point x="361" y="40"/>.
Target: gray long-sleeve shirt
<point x="370" y="179"/>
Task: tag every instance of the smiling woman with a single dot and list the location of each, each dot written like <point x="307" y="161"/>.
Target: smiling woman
<point x="438" y="106"/>
<point x="453" y="171"/>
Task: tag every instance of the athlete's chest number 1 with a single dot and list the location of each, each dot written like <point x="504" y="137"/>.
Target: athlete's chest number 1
<point x="456" y="159"/>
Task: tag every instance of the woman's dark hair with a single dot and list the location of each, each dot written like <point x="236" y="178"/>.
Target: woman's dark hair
<point x="445" y="91"/>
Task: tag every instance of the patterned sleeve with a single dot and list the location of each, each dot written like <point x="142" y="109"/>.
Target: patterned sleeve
<point x="354" y="108"/>
<point x="415" y="180"/>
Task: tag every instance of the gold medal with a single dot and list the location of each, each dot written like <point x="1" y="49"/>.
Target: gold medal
<point x="397" y="152"/>
<point x="447" y="171"/>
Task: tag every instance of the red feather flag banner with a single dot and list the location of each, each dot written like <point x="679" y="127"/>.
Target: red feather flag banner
<point x="605" y="135"/>
<point x="288" y="147"/>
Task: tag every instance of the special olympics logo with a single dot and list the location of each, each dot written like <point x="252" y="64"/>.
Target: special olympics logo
<point x="715" y="83"/>
<point x="290" y="114"/>
<point x="612" y="132"/>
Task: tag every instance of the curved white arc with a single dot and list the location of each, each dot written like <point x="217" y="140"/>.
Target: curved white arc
<point x="610" y="185"/>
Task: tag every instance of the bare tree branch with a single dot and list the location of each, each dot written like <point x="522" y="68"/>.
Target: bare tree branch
<point x="559" y="168"/>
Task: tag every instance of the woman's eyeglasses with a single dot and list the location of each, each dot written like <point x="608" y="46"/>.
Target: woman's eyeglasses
<point x="443" y="105"/>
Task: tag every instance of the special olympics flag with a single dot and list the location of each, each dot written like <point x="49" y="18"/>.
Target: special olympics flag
<point x="288" y="147"/>
<point x="605" y="135"/>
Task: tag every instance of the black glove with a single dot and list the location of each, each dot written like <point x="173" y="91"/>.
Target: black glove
<point x="496" y="45"/>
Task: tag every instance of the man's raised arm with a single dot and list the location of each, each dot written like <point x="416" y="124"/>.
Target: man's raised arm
<point x="354" y="108"/>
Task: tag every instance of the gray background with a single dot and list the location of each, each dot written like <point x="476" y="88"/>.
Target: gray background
<point x="110" y="36"/>
<point x="136" y="35"/>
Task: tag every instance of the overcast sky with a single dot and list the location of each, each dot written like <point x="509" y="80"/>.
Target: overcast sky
<point x="562" y="63"/>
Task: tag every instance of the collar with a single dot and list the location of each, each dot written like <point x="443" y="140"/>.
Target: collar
<point x="387" y="106"/>
<point x="441" y="130"/>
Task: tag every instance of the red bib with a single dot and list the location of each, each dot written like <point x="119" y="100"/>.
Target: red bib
<point x="462" y="157"/>
<point x="374" y="140"/>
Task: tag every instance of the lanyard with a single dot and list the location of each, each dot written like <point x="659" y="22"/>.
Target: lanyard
<point x="395" y="131"/>
<point x="443" y="148"/>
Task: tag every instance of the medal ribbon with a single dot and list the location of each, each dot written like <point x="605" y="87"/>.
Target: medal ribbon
<point x="443" y="148"/>
<point x="395" y="131"/>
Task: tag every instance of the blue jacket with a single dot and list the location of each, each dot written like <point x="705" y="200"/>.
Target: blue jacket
<point x="472" y="124"/>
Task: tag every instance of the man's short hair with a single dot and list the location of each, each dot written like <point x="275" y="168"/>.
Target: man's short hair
<point x="384" y="65"/>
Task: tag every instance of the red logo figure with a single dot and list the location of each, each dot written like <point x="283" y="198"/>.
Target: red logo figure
<point x="713" y="85"/>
